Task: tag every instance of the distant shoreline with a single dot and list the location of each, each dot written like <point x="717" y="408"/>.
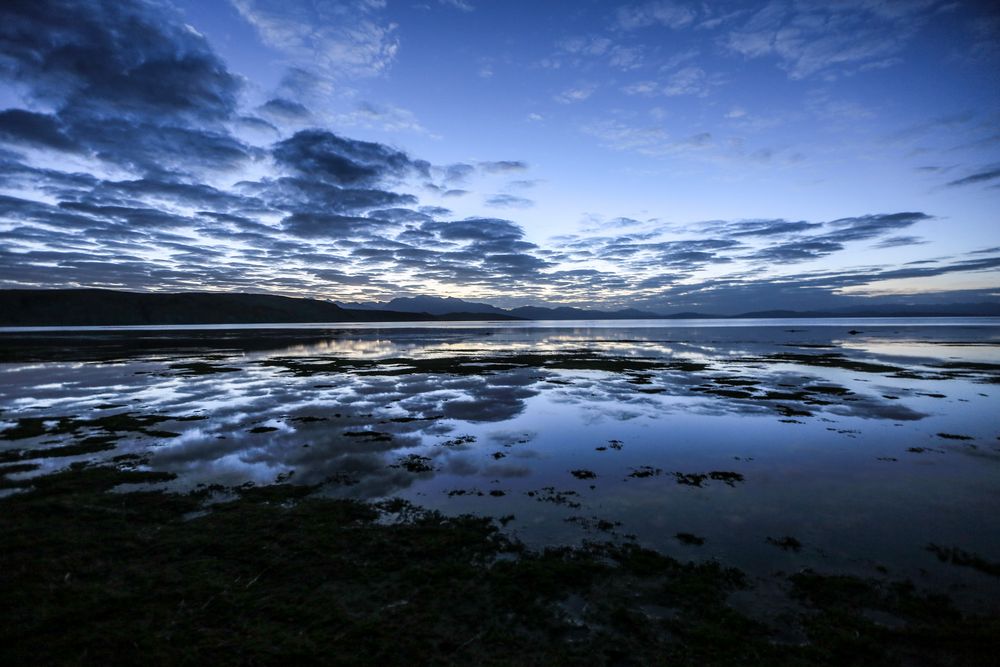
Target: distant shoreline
<point x="431" y="325"/>
<point x="82" y="308"/>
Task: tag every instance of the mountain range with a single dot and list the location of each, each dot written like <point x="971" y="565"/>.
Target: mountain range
<point x="435" y="305"/>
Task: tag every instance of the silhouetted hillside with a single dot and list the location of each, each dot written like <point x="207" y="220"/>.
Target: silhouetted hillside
<point x="94" y="307"/>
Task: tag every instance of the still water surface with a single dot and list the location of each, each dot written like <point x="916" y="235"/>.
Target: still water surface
<point x="865" y="440"/>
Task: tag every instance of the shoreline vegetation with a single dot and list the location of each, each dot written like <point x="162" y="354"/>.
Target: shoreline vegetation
<point x="98" y="570"/>
<point x="101" y="307"/>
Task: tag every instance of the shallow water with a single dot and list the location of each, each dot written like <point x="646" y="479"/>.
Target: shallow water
<point x="864" y="440"/>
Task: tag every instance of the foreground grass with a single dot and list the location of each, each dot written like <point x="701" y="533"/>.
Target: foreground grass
<point x="89" y="576"/>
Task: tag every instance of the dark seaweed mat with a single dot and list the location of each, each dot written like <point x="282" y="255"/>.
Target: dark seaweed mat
<point x="274" y="575"/>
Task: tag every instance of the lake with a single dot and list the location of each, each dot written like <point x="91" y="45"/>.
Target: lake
<point x="861" y="446"/>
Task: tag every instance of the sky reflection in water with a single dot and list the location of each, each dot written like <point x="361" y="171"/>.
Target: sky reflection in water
<point x="834" y="438"/>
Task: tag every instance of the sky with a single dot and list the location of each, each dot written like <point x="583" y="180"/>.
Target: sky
<point x="672" y="156"/>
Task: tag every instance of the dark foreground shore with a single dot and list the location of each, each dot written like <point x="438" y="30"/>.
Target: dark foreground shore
<point x="269" y="575"/>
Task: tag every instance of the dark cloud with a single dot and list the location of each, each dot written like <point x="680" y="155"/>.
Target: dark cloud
<point x="195" y="195"/>
<point x="803" y="243"/>
<point x="114" y="57"/>
<point x="37" y="130"/>
<point x="870" y="226"/>
<point x="341" y="278"/>
<point x="159" y="149"/>
<point x="127" y="81"/>
<point x="476" y="229"/>
<point x="502" y="166"/>
<point x="328" y="157"/>
<point x="797" y="251"/>
<point x="280" y="108"/>
<point x="306" y="194"/>
<point x="435" y="211"/>
<point x="131" y="217"/>
<point x="28" y="211"/>
<point x="979" y="177"/>
<point x="400" y="215"/>
<point x="256" y="124"/>
<point x="59" y="184"/>
<point x="764" y="227"/>
<point x="330" y="225"/>
<point x="514" y="263"/>
<point x="508" y="201"/>
<point x="967" y="265"/>
<point x="637" y="252"/>
<point x="900" y="241"/>
<point x="458" y="173"/>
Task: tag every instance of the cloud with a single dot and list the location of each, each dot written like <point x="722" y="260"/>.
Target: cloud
<point x="660" y="13"/>
<point x="899" y="242"/>
<point x="761" y="228"/>
<point x="462" y="5"/>
<point x="626" y="58"/>
<point x="503" y="166"/>
<point x="688" y="80"/>
<point x="811" y="241"/>
<point x="648" y="140"/>
<point x="508" y="201"/>
<point x="115" y="56"/>
<point x="152" y="147"/>
<point x="126" y="81"/>
<point x="870" y="226"/>
<point x="576" y="94"/>
<point x="458" y="172"/>
<point x="808" y="39"/>
<point x="978" y="177"/>
<point x="340" y="38"/>
<point x="581" y="51"/>
<point x="293" y="193"/>
<point x="329" y="225"/>
<point x="387" y="118"/>
<point x="797" y="251"/>
<point x="589" y="46"/>
<point x="476" y="229"/>
<point x="38" y="130"/>
<point x="642" y="88"/>
<point x="282" y="109"/>
<point x="341" y="161"/>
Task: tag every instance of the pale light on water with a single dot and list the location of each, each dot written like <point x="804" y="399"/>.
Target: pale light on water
<point x="864" y="446"/>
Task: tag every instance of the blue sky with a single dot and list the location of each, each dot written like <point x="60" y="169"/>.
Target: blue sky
<point x="716" y="156"/>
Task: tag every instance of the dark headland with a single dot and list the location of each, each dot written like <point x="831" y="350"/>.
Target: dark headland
<point x="97" y="307"/>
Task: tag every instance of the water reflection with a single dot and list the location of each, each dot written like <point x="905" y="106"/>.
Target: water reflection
<point x="864" y="446"/>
